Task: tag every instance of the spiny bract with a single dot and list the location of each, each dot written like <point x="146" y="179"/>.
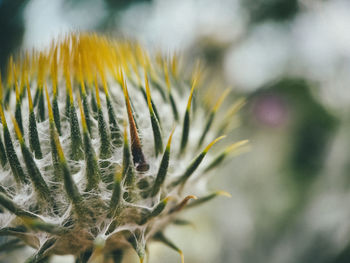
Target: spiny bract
<point x="87" y="162"/>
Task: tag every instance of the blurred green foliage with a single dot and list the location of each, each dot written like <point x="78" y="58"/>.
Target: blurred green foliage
<point x="311" y="130"/>
<point x="11" y="28"/>
<point x="279" y="10"/>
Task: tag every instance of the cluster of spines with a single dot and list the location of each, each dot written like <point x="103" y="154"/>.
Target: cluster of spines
<point x="116" y="60"/>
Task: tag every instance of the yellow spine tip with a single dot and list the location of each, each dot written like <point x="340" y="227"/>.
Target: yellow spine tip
<point x="223" y="193"/>
<point x="69" y="89"/>
<point x="235" y="108"/>
<point x="83" y="120"/>
<point x="236" y="145"/>
<point x="49" y="108"/>
<point x="174" y="65"/>
<point x="3" y="119"/>
<point x="168" y="198"/>
<point x="82" y="84"/>
<point x="118" y="176"/>
<point x="125" y="90"/>
<point x="30" y="102"/>
<point x="148" y="93"/>
<point x="213" y="142"/>
<point x="17" y="91"/>
<point x="221" y="99"/>
<point x="59" y="149"/>
<point x="191" y="94"/>
<point x="80" y="76"/>
<point x="170" y="138"/>
<point x="182" y="256"/>
<point x="103" y="79"/>
<point x="17" y="130"/>
<point x="166" y="74"/>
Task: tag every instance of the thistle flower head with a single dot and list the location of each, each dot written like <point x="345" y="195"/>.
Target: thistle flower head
<point x="91" y="161"/>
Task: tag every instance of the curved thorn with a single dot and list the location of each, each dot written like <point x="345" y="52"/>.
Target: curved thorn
<point x="183" y="203"/>
<point x="136" y="149"/>
<point x="220" y="158"/>
<point x="195" y="163"/>
<point x="207" y="198"/>
<point x="158" y="143"/>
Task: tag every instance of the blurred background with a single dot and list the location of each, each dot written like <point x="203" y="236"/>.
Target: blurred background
<point x="291" y="60"/>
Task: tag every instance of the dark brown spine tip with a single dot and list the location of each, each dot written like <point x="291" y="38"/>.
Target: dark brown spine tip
<point x="136" y="149"/>
<point x="142" y="167"/>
